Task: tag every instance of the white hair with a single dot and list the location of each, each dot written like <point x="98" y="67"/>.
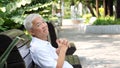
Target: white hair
<point x="29" y="19"/>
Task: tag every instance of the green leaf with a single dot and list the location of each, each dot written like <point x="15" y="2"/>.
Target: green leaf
<point x="1" y="21"/>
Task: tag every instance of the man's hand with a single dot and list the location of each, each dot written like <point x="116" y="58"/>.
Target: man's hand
<point x="63" y="45"/>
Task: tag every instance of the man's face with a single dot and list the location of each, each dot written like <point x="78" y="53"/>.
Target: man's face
<point x="39" y="28"/>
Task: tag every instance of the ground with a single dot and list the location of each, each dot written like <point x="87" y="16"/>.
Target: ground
<point x="94" y="50"/>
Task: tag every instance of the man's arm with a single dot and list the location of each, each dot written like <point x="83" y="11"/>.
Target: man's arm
<point x="63" y="46"/>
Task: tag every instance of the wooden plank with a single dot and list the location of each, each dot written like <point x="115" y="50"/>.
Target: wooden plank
<point x="73" y="60"/>
<point x="13" y="33"/>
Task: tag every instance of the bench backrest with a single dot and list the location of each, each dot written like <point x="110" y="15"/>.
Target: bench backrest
<point x="20" y="55"/>
<point x="52" y="35"/>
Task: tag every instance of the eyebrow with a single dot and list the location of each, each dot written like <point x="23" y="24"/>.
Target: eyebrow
<point x="38" y="23"/>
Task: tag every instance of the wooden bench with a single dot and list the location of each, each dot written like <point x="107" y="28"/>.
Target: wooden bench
<point x="20" y="55"/>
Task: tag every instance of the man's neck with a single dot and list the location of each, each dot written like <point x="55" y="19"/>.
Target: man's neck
<point x="43" y="38"/>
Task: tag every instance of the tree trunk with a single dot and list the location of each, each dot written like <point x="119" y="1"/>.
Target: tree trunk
<point x="97" y="8"/>
<point x="108" y="7"/>
<point x="117" y="8"/>
<point x="90" y="8"/>
<point x="105" y="7"/>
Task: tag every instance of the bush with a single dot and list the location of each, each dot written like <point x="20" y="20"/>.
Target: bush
<point x="107" y="21"/>
<point x="87" y="17"/>
<point x="67" y="15"/>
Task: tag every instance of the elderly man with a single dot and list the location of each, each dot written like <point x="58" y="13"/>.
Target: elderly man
<point x="42" y="52"/>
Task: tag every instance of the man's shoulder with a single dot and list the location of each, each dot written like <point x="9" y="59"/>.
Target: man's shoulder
<point x="39" y="45"/>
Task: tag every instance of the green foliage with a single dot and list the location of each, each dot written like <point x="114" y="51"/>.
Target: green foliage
<point x="107" y="21"/>
<point x="87" y="17"/>
<point x="67" y="15"/>
<point x="67" y="11"/>
<point x="13" y="12"/>
<point x="53" y="19"/>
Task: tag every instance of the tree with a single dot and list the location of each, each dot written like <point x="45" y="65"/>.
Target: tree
<point x="97" y="8"/>
<point x="117" y="8"/>
<point x="90" y="7"/>
<point x="108" y="7"/>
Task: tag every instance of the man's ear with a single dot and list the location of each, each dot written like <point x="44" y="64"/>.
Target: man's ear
<point x="31" y="32"/>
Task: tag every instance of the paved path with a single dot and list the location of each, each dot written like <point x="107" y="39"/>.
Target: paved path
<point x="94" y="50"/>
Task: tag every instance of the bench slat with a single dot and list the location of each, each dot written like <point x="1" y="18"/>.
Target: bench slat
<point x="73" y="60"/>
<point x="13" y="33"/>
